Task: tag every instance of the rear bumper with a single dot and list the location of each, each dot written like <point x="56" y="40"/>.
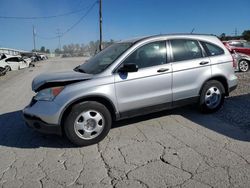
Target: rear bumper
<point x="232" y="83"/>
<point x="41" y="126"/>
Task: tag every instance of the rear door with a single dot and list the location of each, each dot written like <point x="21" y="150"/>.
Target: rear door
<point x="191" y="68"/>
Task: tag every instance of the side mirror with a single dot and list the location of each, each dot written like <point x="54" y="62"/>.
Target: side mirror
<point x="129" y="67"/>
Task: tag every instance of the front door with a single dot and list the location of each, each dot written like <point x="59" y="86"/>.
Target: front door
<point x="151" y="84"/>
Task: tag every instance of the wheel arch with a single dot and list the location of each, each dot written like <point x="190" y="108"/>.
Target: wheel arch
<point x="7" y="66"/>
<point x="219" y="78"/>
<point x="101" y="99"/>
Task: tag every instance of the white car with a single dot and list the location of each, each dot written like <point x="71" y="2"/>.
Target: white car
<point x="27" y="59"/>
<point x="13" y="63"/>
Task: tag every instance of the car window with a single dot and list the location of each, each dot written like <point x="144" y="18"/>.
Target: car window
<point x="103" y="59"/>
<point x="11" y="59"/>
<point x="246" y="44"/>
<point x="212" y="49"/>
<point x="236" y="44"/>
<point x="185" y="49"/>
<point x="151" y="54"/>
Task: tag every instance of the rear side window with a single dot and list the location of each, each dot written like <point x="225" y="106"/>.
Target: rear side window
<point x="15" y="59"/>
<point x="185" y="49"/>
<point x="212" y="50"/>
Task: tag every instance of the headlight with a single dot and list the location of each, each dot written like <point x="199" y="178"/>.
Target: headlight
<point x="48" y="94"/>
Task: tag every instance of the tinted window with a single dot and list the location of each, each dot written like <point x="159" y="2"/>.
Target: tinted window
<point x="212" y="49"/>
<point x="184" y="49"/>
<point x="151" y="54"/>
<point x="13" y="59"/>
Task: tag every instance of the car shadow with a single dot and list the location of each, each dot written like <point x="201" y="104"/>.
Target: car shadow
<point x="233" y="121"/>
<point x="14" y="133"/>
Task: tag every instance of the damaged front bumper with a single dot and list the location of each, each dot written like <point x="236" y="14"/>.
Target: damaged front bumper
<point x="43" y="117"/>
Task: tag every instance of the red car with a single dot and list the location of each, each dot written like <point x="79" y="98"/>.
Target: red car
<point x="242" y="50"/>
<point x="241" y="46"/>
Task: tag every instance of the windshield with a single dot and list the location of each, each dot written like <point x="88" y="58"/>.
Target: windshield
<point x="103" y="59"/>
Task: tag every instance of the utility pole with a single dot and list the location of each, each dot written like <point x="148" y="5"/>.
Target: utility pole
<point x="59" y="39"/>
<point x="100" y="24"/>
<point x="236" y="32"/>
<point x="34" y="38"/>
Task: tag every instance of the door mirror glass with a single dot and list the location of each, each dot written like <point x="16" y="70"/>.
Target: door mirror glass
<point x="128" y="67"/>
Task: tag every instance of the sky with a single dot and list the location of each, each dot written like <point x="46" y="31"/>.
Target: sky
<point x="122" y="19"/>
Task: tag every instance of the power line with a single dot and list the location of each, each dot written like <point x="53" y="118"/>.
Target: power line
<point x="72" y="26"/>
<point x="46" y="38"/>
<point x="42" y="17"/>
<point x="75" y="24"/>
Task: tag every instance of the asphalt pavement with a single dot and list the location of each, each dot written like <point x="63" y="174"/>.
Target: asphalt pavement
<point x="174" y="148"/>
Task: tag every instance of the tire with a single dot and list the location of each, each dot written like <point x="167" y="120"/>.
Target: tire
<point x="87" y="123"/>
<point x="212" y="96"/>
<point x="243" y="65"/>
<point x="2" y="71"/>
<point x="8" y="68"/>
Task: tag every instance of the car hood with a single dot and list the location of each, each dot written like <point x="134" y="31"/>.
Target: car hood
<point x="46" y="80"/>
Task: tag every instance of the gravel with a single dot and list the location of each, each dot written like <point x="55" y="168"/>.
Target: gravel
<point x="236" y="109"/>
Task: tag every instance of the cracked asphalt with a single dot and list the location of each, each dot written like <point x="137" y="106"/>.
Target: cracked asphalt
<point x="174" y="148"/>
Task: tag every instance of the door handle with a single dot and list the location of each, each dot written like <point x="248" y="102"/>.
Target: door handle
<point x="163" y="70"/>
<point x="204" y="62"/>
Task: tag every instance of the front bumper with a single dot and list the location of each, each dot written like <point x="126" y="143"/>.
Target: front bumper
<point x="42" y="116"/>
<point x="41" y="126"/>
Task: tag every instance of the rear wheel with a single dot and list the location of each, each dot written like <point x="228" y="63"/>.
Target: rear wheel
<point x="243" y="65"/>
<point x="87" y="123"/>
<point x="212" y="96"/>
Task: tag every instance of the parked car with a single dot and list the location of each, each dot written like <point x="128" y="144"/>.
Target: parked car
<point x="243" y="61"/>
<point x="132" y="78"/>
<point x="13" y="63"/>
<point x="240" y="46"/>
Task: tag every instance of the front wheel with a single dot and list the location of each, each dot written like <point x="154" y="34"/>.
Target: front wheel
<point x="2" y="71"/>
<point x="87" y="123"/>
<point x="212" y="96"/>
<point x="243" y="66"/>
<point x="7" y="68"/>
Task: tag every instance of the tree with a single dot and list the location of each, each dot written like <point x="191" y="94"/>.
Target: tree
<point x="47" y="51"/>
<point x="223" y="36"/>
<point x="246" y="35"/>
<point x="42" y="49"/>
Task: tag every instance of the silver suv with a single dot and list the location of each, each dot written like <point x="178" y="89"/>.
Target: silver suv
<point x="131" y="78"/>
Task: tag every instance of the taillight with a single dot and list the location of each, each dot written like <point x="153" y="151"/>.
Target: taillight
<point x="234" y="61"/>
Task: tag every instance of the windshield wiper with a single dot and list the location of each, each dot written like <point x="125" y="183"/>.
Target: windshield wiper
<point x="78" y="69"/>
